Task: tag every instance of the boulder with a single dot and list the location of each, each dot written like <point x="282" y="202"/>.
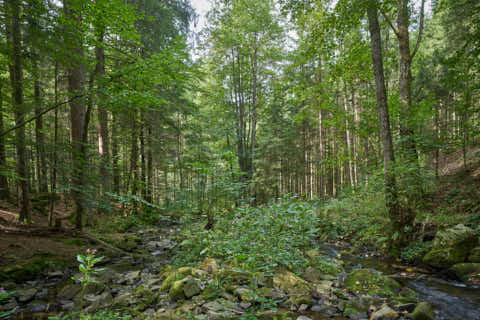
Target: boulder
<point x="185" y="288"/>
<point x="244" y="294"/>
<point x="385" y="313"/>
<point x="466" y="271"/>
<point x="451" y="246"/>
<point x="98" y="301"/>
<point x="370" y="282"/>
<point x="291" y="284"/>
<point x="474" y="255"/>
<point x="423" y="311"/>
<point x="26" y="295"/>
<point x="69" y="291"/>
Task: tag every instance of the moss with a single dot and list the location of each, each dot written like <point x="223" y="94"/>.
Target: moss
<point x="466" y="271"/>
<point x="423" y="311"/>
<point x="31" y="269"/>
<point x="445" y="258"/>
<point x="366" y="281"/>
<point x="174" y="275"/>
<point x="176" y="290"/>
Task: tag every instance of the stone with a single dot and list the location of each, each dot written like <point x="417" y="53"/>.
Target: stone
<point x="312" y="274"/>
<point x="55" y="274"/>
<point x="370" y="282"/>
<point x="210" y="265"/>
<point x="176" y="291"/>
<point x="322" y="289"/>
<point x="451" y="246"/>
<point x="132" y="277"/>
<point x="37" y="306"/>
<point x="303" y="307"/>
<point x="244" y="294"/>
<point x="466" y="271"/>
<point x="385" y="313"/>
<point x="423" y="311"/>
<point x="291" y="284"/>
<point x="192" y="287"/>
<point x="26" y="295"/>
<point x="304" y="318"/>
<point x="69" y="291"/>
<point x="474" y="255"/>
<point x="98" y="301"/>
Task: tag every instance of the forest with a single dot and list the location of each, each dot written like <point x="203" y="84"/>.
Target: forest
<point x="265" y="160"/>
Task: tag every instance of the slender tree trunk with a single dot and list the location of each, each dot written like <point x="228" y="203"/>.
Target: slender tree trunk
<point x="115" y="155"/>
<point x="39" y="135"/>
<point x="143" y="160"/>
<point x="16" y="77"/>
<point x="391" y="194"/>
<point x="76" y="84"/>
<point x="102" y="124"/>
<point x="149" y="197"/>
<point x="4" y="189"/>
<point x="51" y="215"/>
<point x="134" y="159"/>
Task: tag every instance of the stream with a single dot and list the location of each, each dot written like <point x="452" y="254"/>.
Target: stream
<point x="452" y="300"/>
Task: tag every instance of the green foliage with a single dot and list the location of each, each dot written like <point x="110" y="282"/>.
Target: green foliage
<point x="415" y="251"/>
<point x="5" y="296"/>
<point x="100" y="315"/>
<point x="256" y="238"/>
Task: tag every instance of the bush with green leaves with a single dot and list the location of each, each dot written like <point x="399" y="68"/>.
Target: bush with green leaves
<point x="256" y="238"/>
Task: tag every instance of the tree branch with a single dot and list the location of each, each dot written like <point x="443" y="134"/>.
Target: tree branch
<point x="420" y="30"/>
<point x="21" y="124"/>
<point x="384" y="14"/>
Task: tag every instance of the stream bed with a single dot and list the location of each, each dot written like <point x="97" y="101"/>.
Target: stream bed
<point x="452" y="300"/>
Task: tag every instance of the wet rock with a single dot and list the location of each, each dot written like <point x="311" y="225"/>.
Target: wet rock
<point x="407" y="307"/>
<point x="55" y="274"/>
<point x="291" y="284"/>
<point x="385" y="313"/>
<point x="466" y="271"/>
<point x="474" y="255"/>
<point x="423" y="311"/>
<point x="26" y="295"/>
<point x="37" y="306"/>
<point x="42" y="294"/>
<point x="451" y="246"/>
<point x="66" y="305"/>
<point x="132" y="277"/>
<point x="304" y="318"/>
<point x="98" y="301"/>
<point x="366" y="281"/>
<point x="69" y="291"/>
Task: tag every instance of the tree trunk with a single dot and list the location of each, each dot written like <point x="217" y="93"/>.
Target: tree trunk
<point x="76" y="83"/>
<point x="391" y="195"/>
<point x="39" y="135"/>
<point x="4" y="190"/>
<point x="115" y="165"/>
<point x="102" y="124"/>
<point x="16" y="77"/>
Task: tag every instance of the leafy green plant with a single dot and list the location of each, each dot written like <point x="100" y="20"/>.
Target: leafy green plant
<point x="4" y="296"/>
<point x="88" y="269"/>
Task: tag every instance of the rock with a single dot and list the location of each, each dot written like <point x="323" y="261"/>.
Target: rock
<point x="175" y="275"/>
<point x="312" y="274"/>
<point x="26" y="295"/>
<point x="210" y="265"/>
<point x="474" y="255"/>
<point x="466" y="271"/>
<point x="366" y="281"/>
<point x="55" y="274"/>
<point x="69" y="291"/>
<point x="98" y="301"/>
<point x="221" y="309"/>
<point x="132" y="277"/>
<point x="192" y="287"/>
<point x="322" y="289"/>
<point x="41" y="294"/>
<point x="66" y="305"/>
<point x="245" y="305"/>
<point x="236" y="276"/>
<point x="423" y="311"/>
<point x="303" y="307"/>
<point x="385" y="313"/>
<point x="451" y="246"/>
<point x="124" y="300"/>
<point x="176" y="290"/>
<point x="407" y="307"/>
<point x="37" y="306"/>
<point x="244" y="294"/>
<point x="291" y="284"/>
<point x="304" y="318"/>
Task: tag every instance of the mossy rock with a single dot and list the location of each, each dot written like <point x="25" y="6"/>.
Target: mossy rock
<point x="474" y="255"/>
<point x="291" y="284"/>
<point x="175" y="275"/>
<point x="451" y="246"/>
<point x="466" y="271"/>
<point x="29" y="270"/>
<point x="366" y="281"/>
<point x="235" y="276"/>
<point x="423" y="311"/>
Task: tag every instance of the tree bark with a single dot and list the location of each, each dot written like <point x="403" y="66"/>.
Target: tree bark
<point x="391" y="194"/>
<point x="76" y="84"/>
<point x="4" y="190"/>
<point x="16" y="77"/>
<point x="39" y="135"/>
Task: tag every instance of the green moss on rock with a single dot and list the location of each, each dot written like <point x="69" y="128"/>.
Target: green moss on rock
<point x="466" y="271"/>
<point x="366" y="281"/>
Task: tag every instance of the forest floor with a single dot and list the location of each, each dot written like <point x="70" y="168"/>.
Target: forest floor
<point x="44" y="263"/>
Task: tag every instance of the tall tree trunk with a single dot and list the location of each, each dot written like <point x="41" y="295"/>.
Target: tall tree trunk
<point x="143" y="160"/>
<point x="39" y="135"/>
<point x="102" y="124"/>
<point x="51" y="215"/>
<point x="149" y="197"/>
<point x="115" y="155"/>
<point x="133" y="159"/>
<point x="16" y="77"/>
<point x="76" y="84"/>
<point x="4" y="190"/>
<point x="391" y="194"/>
